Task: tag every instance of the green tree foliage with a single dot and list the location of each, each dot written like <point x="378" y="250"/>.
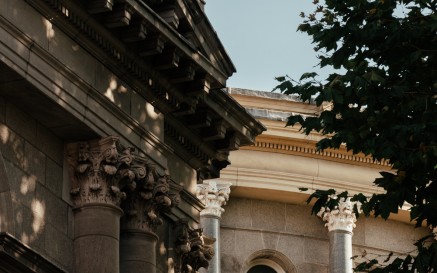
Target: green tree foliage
<point x="382" y="103"/>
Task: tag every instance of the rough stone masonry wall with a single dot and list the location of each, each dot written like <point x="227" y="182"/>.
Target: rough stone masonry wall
<point x="33" y="158"/>
<point x="250" y="225"/>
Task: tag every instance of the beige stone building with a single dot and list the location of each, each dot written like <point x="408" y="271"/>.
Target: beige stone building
<point x="266" y="220"/>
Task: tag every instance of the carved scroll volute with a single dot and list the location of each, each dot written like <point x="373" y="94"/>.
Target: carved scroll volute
<point x="97" y="171"/>
<point x="194" y="250"/>
<point x="147" y="200"/>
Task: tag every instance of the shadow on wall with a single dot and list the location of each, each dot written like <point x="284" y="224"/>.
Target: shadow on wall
<point x="22" y="214"/>
<point x="6" y="213"/>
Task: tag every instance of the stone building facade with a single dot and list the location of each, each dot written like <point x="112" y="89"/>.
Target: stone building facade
<point x="111" y="112"/>
<point x="266" y="225"/>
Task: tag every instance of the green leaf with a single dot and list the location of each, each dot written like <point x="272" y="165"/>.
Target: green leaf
<point x="308" y="75"/>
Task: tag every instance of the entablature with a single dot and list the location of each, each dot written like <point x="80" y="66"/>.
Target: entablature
<point x="142" y="42"/>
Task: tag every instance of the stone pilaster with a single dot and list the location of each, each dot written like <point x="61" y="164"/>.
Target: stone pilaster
<point x="340" y="222"/>
<point x="98" y="172"/>
<point x="146" y="199"/>
<point x="214" y="195"/>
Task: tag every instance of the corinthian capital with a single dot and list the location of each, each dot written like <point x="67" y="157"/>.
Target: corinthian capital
<point x="149" y="196"/>
<point x="98" y="171"/>
<point x="214" y="195"/>
<point x="341" y="217"/>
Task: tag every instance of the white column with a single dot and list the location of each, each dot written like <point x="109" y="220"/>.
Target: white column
<point x="340" y="222"/>
<point x="214" y="195"/>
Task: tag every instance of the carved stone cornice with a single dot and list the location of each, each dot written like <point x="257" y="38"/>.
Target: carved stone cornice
<point x="214" y="195"/>
<point x="308" y="148"/>
<point x="146" y="199"/>
<point x="98" y="171"/>
<point x="341" y="217"/>
<point x="193" y="249"/>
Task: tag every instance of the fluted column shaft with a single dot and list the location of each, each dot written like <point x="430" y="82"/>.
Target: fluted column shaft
<point x="340" y="222"/>
<point x="214" y="196"/>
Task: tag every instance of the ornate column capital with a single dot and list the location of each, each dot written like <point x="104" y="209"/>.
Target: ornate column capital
<point x="97" y="171"/>
<point x="214" y="195"/>
<point x="148" y="197"/>
<point x="341" y="217"/>
<point x="193" y="249"/>
<point x="104" y="172"/>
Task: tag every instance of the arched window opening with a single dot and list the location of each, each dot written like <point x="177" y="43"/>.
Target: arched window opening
<point x="268" y="261"/>
<point x="261" y="269"/>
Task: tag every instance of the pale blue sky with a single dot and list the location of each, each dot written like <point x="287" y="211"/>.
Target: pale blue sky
<point x="261" y="39"/>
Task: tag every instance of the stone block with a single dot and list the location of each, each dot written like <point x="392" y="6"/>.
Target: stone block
<point x="4" y="181"/>
<point x="34" y="162"/>
<point x="6" y="212"/>
<point x="300" y="221"/>
<point x="56" y="210"/>
<point x="73" y="56"/>
<point x="268" y="215"/>
<point x="147" y="115"/>
<point x="28" y="20"/>
<point x="100" y="116"/>
<point x="292" y="247"/>
<point x="270" y="240"/>
<point x="316" y="251"/>
<point x="64" y="89"/>
<point x="22" y="185"/>
<point x="54" y="177"/>
<point x="230" y="263"/>
<point x="392" y="231"/>
<point x="237" y="213"/>
<point x="247" y="242"/>
<point x="227" y="241"/>
<point x="115" y="90"/>
<point x="59" y="247"/>
<point x="2" y="110"/>
<point x="18" y="219"/>
<point x="20" y="122"/>
<point x="311" y="268"/>
<point x="70" y="224"/>
<point x="11" y="145"/>
<point x="33" y="226"/>
<point x="49" y="144"/>
<point x="359" y="232"/>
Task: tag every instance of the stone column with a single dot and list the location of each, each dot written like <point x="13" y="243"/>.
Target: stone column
<point x="94" y="168"/>
<point x="214" y="196"/>
<point x="340" y="222"/>
<point x="146" y="199"/>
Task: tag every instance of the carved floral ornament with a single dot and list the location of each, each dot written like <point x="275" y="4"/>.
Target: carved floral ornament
<point x="193" y="249"/>
<point x="214" y="195"/>
<point x="104" y="172"/>
<point x="341" y="217"/>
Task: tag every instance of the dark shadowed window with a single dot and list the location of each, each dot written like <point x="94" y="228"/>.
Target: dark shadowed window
<point x="261" y="269"/>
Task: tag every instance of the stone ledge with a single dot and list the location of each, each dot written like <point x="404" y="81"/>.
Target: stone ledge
<point x="16" y="257"/>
